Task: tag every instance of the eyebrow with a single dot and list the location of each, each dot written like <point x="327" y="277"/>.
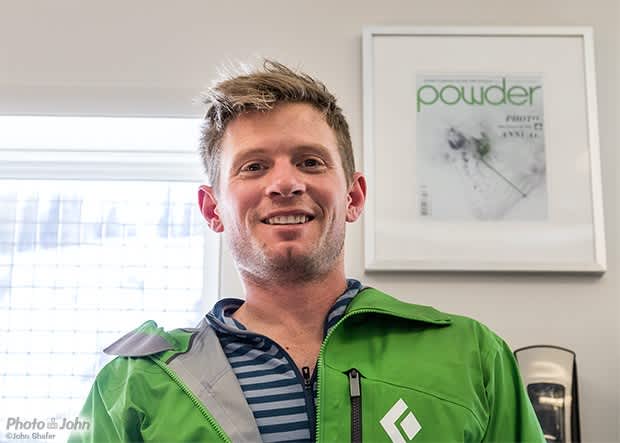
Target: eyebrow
<point x="251" y="152"/>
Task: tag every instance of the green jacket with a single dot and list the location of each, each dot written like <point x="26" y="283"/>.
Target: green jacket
<point x="424" y="376"/>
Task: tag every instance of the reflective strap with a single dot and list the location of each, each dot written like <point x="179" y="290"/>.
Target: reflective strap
<point x="138" y="344"/>
<point x="206" y="371"/>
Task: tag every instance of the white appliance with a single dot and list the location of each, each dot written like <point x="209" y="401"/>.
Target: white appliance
<point x="550" y="377"/>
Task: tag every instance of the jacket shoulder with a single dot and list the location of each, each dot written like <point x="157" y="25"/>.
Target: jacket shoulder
<point x="150" y="339"/>
<point x="487" y="339"/>
<point x="460" y="329"/>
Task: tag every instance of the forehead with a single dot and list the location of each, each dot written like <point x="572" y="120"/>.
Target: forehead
<point x="287" y="126"/>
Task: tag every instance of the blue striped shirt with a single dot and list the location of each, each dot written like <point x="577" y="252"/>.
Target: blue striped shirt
<point x="280" y="397"/>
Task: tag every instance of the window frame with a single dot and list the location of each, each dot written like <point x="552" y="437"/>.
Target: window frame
<point x="152" y="155"/>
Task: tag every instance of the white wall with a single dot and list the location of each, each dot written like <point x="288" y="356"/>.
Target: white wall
<point x="150" y="57"/>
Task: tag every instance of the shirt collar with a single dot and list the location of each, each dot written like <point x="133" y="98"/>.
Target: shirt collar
<point x="220" y="317"/>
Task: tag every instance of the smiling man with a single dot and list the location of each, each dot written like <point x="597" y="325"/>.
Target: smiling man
<point x="309" y="355"/>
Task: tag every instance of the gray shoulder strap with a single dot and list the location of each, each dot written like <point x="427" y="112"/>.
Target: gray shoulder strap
<point x="206" y="371"/>
<point x="138" y="344"/>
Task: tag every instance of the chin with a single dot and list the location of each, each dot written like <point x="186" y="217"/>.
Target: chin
<point x="287" y="255"/>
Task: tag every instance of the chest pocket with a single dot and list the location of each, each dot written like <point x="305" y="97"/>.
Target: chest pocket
<point x="390" y="412"/>
<point x="397" y="414"/>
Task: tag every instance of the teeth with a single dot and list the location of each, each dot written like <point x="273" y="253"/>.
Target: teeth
<point x="287" y="219"/>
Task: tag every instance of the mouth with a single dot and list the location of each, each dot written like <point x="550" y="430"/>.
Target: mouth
<point x="297" y="219"/>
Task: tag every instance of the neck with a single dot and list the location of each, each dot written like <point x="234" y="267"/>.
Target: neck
<point x="291" y="307"/>
<point x="292" y="313"/>
<point x="298" y="305"/>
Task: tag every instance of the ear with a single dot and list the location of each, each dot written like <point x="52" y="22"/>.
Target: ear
<point x="356" y="197"/>
<point x="208" y="207"/>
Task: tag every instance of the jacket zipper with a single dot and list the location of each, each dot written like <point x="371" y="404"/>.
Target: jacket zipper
<point x="305" y="371"/>
<point x="319" y="365"/>
<point x="355" y="391"/>
<point x="216" y="426"/>
<point x="310" y="398"/>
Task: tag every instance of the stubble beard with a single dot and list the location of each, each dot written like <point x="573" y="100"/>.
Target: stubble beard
<point x="288" y="268"/>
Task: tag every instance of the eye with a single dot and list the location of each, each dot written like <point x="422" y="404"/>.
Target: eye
<point x="312" y="162"/>
<point x="252" y="167"/>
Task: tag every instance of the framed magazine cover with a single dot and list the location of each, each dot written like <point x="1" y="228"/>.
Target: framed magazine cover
<point x="481" y="150"/>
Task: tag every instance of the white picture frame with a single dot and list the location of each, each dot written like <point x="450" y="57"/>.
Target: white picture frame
<point x="513" y="168"/>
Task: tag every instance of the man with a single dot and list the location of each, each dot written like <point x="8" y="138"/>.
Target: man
<point x="309" y="355"/>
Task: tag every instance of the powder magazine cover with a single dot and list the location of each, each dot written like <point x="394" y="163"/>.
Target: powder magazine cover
<point x="480" y="152"/>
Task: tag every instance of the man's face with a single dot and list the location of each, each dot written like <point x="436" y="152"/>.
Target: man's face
<point x="283" y="199"/>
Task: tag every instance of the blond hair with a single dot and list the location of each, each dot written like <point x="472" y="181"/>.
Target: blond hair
<point x="261" y="90"/>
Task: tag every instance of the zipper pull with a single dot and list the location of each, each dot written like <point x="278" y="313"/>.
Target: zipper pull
<point x="305" y="371"/>
<point x="356" y="405"/>
<point x="354" y="383"/>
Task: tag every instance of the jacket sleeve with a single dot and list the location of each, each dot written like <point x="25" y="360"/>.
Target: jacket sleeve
<point x="108" y="419"/>
<point x="511" y="415"/>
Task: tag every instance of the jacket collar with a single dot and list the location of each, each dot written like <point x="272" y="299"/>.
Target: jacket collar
<point x="149" y="339"/>
<point x="379" y="302"/>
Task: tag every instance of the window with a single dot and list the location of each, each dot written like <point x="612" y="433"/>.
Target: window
<point x="99" y="231"/>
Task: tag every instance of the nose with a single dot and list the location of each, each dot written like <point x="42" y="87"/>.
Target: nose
<point x="285" y="181"/>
